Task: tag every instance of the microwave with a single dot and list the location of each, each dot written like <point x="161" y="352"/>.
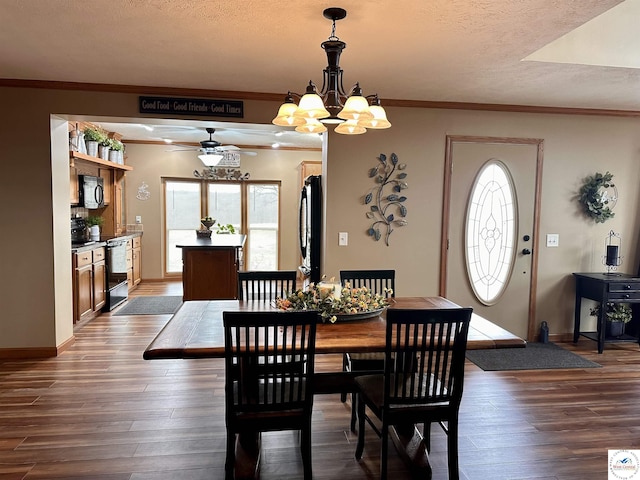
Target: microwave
<point x="91" y="191"/>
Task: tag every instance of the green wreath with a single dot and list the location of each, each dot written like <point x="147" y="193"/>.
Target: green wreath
<point x="596" y="202"/>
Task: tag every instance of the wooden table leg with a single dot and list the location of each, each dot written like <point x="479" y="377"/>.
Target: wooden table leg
<point x="412" y="449"/>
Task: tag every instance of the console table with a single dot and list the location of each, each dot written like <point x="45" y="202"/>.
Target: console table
<point x="604" y="288"/>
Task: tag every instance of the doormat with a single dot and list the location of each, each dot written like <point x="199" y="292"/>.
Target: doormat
<point x="165" y="305"/>
<point x="535" y="356"/>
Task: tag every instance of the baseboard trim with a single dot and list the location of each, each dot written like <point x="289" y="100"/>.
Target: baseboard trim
<point x="561" y="337"/>
<point x="35" y="352"/>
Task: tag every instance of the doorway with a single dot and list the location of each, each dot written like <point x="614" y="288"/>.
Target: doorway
<point x="512" y="303"/>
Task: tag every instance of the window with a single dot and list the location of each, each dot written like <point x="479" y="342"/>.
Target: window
<point x="253" y="208"/>
<point x="262" y="223"/>
<point x="490" y="232"/>
<point x="182" y="217"/>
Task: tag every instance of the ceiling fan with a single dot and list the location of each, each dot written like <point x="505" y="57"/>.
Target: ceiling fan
<point x="213" y="153"/>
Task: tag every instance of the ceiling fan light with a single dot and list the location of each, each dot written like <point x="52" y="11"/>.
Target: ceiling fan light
<point x="311" y="125"/>
<point x="311" y="106"/>
<point x="211" y="159"/>
<point x="285" y="117"/>
<point x="379" y="119"/>
<point x="350" y="127"/>
<point x="356" y="108"/>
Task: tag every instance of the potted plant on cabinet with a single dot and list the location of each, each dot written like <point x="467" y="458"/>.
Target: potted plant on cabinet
<point x="92" y="138"/>
<point x="94" y="224"/>
<point x="116" y="152"/>
<point x="617" y="316"/>
<point x="103" y="147"/>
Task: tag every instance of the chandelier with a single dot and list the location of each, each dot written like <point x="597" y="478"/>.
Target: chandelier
<point x="353" y="113"/>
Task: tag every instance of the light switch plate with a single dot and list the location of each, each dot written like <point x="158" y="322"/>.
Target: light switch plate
<point x="553" y="239"/>
<point x="343" y="239"/>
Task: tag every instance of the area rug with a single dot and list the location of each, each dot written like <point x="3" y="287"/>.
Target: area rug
<point x="165" y="305"/>
<point x="535" y="356"/>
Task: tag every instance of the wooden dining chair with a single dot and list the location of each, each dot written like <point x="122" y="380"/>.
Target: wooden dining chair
<point x="266" y="285"/>
<point x="422" y="380"/>
<point x="380" y="282"/>
<point x="267" y="387"/>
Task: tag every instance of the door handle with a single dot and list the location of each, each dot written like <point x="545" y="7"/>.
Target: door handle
<point x="526" y="251"/>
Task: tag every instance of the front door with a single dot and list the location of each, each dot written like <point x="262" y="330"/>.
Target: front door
<point x="489" y="248"/>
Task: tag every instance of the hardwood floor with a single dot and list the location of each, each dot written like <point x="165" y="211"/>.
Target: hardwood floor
<point x="100" y="412"/>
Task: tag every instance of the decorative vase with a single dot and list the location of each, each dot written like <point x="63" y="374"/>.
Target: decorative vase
<point x="208" y="223"/>
<point x="73" y="141"/>
<point x="92" y="148"/>
<point x="614" y="329"/>
<point x="82" y="147"/>
<point x="113" y="156"/>
<point x="95" y="232"/>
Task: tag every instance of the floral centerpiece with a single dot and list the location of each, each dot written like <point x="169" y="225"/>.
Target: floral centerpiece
<point x="330" y="305"/>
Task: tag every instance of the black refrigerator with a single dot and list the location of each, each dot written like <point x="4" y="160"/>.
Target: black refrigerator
<point x="310" y="228"/>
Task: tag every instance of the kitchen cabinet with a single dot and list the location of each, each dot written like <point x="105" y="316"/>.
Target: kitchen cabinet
<point x="119" y="217"/>
<point x="134" y="262"/>
<point x="82" y="285"/>
<point x="99" y="267"/>
<point x="137" y="260"/>
<point x="89" y="283"/>
<point x="113" y="213"/>
<point x="107" y="177"/>
<point x="74" y="192"/>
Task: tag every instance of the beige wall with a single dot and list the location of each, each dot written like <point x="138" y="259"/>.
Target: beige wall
<point x="152" y="162"/>
<point x="574" y="147"/>
<point x="35" y="288"/>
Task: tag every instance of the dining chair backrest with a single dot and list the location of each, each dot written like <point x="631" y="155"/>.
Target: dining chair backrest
<point x="377" y="281"/>
<point x="425" y="356"/>
<point x="269" y="361"/>
<point x="266" y="285"/>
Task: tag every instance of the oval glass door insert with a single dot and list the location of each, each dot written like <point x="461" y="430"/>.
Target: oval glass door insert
<point x="490" y="231"/>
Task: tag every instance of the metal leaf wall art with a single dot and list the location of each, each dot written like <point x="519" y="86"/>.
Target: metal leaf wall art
<point x="221" y="173"/>
<point x="386" y="201"/>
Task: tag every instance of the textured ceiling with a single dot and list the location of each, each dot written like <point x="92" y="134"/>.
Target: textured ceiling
<point x="436" y="50"/>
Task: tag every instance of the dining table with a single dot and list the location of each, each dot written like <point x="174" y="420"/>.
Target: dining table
<point x="196" y="331"/>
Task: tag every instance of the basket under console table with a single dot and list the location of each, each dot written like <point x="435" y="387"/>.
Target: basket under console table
<point x="604" y="288"/>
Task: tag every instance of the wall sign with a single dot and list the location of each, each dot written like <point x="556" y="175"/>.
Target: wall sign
<point x="192" y="106"/>
<point x="230" y="160"/>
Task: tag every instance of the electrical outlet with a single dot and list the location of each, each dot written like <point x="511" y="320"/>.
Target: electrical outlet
<point x="138" y="219"/>
<point x="343" y="239"/>
<point x="553" y="239"/>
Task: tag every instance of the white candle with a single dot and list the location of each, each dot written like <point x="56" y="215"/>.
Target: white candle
<point x="330" y="289"/>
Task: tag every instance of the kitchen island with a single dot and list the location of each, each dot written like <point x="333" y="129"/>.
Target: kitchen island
<point x="210" y="267"/>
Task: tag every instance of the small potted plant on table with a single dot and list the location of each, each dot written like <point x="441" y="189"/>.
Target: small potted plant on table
<point x="228" y="228"/>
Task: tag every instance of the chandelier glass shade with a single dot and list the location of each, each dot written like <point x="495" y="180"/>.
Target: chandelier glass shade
<point x="353" y="113"/>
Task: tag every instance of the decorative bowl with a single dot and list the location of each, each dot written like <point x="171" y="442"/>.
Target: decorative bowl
<point x="345" y="317"/>
<point x="208" y="223"/>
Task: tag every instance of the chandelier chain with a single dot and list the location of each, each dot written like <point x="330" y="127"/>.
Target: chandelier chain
<point x="333" y="36"/>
